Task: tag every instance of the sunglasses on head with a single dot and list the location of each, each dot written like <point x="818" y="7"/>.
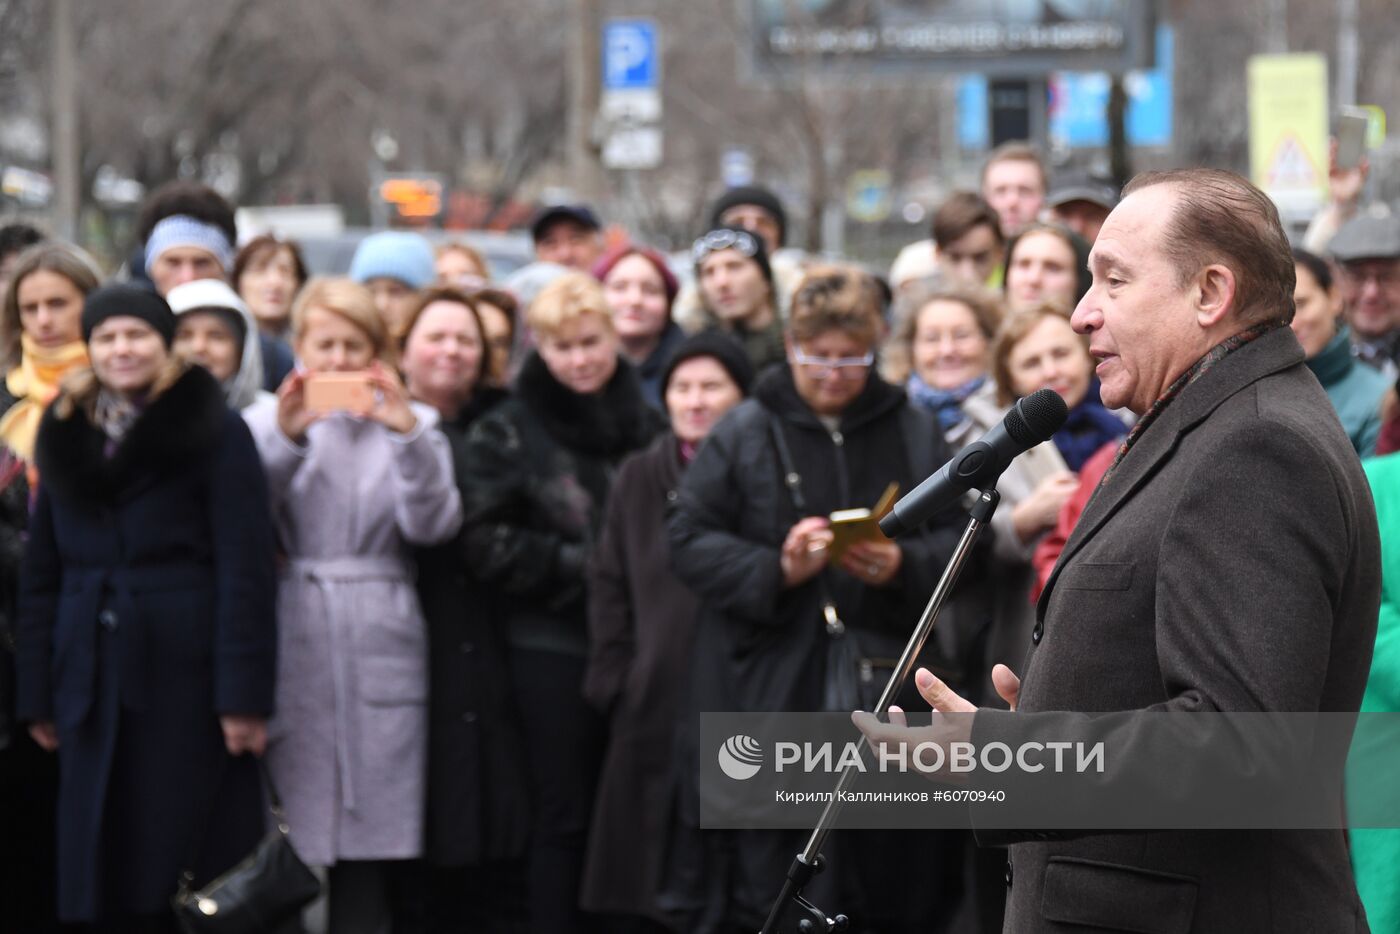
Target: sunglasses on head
<point x="717" y="240"/>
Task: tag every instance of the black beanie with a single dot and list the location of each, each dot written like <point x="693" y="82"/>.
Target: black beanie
<point x="724" y="349"/>
<point x="113" y="301"/>
<point x="751" y="194"/>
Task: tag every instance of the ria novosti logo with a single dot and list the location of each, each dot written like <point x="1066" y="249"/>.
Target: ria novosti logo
<point x="740" y="757"/>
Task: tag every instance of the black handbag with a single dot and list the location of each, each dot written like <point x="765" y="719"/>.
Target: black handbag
<point x="268" y="887"/>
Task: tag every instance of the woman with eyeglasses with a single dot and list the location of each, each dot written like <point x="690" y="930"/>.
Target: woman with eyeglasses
<point x="787" y="623"/>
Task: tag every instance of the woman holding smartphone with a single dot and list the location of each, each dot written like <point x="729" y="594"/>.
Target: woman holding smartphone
<point x="351" y="492"/>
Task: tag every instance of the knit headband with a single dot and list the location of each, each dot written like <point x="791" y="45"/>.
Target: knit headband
<point x="183" y="230"/>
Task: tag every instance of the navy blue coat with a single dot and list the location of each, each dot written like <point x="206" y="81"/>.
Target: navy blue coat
<point x="146" y="611"/>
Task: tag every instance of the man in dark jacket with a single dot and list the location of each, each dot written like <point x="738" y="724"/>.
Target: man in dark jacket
<point x="1228" y="562"/>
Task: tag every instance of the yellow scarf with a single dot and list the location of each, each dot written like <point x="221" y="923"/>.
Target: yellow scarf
<point x="34" y="383"/>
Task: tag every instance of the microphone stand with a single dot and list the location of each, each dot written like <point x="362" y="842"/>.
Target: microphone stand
<point x="809" y="862"/>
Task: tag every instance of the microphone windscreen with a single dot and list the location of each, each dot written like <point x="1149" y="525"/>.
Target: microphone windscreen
<point x="1036" y="417"/>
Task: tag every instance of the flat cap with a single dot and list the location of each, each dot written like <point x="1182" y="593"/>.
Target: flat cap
<point x="1082" y="186"/>
<point x="1369" y="236"/>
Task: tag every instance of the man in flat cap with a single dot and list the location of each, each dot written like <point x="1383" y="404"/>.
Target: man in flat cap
<point x="1082" y="202"/>
<point x="1367" y="251"/>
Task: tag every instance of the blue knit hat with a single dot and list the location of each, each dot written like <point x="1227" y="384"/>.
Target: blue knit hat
<point x="394" y="254"/>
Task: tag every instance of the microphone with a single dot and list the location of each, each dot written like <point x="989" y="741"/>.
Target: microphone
<point x="1031" y="420"/>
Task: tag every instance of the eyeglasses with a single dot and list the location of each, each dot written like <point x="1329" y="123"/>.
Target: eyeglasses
<point x="1383" y="275"/>
<point x="717" y="240"/>
<point x="824" y="367"/>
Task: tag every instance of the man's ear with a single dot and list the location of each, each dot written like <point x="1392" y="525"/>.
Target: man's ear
<point x="1214" y="295"/>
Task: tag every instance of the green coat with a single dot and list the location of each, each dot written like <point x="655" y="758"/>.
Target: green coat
<point x="1355" y="390"/>
<point x="1375" y="854"/>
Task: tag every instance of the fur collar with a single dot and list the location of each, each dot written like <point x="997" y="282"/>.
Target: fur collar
<point x="182" y="425"/>
<point x="608" y="423"/>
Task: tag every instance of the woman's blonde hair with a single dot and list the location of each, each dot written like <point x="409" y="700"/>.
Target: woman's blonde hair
<point x="564" y="301"/>
<point x="346" y="299"/>
<point x="66" y="260"/>
<point x="898" y="357"/>
<point x="1014" y="330"/>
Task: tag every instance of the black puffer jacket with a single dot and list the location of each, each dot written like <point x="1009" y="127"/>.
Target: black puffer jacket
<point x="539" y="467"/>
<point x="761" y="647"/>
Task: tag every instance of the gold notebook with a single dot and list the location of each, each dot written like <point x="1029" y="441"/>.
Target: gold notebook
<point x="849" y="526"/>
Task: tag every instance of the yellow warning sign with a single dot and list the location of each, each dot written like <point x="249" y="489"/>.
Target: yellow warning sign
<point x="1288" y="129"/>
<point x="1290" y="166"/>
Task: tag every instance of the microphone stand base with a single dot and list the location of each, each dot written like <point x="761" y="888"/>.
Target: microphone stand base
<point x="816" y="921"/>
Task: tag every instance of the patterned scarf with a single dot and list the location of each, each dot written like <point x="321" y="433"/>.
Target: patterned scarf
<point x="35" y="383"/>
<point x="1213" y="356"/>
<point x="945" y="403"/>
<point x="115" y="414"/>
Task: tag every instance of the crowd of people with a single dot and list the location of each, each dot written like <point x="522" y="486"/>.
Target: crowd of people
<point x="468" y="621"/>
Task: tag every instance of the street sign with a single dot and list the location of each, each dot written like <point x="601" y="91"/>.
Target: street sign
<point x="639" y="105"/>
<point x="736" y="167"/>
<point x="630" y="104"/>
<point x="1288" y="129"/>
<point x="631" y="59"/>
<point x="999" y="38"/>
<point x="868" y="195"/>
<point x="633" y="148"/>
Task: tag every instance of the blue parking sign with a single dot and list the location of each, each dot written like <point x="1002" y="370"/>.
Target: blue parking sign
<point x="630" y="55"/>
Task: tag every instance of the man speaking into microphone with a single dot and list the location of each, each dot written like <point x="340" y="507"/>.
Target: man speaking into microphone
<point x="1228" y="561"/>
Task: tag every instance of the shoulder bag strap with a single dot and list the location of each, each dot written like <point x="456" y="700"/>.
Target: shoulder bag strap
<point x="792" y="480"/>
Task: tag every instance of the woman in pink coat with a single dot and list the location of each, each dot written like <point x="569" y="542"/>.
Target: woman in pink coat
<point x="351" y="494"/>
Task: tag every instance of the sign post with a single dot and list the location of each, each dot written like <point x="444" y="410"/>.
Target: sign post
<point x="630" y="107"/>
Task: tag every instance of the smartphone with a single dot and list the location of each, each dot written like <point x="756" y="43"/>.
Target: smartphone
<point x="1351" y="139"/>
<point x="339" y="392"/>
